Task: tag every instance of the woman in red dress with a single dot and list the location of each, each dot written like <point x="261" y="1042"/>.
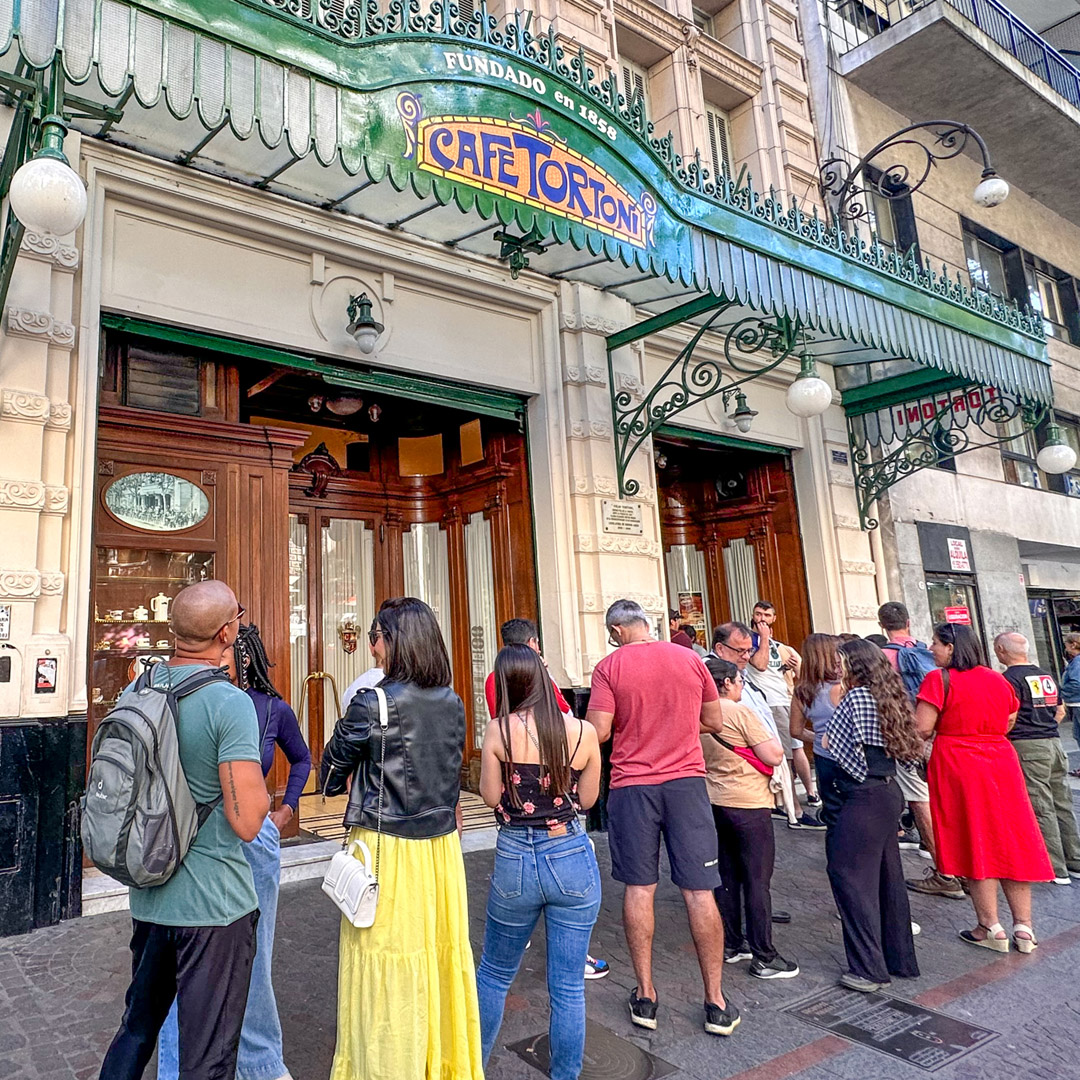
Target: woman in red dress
<point x="975" y="781"/>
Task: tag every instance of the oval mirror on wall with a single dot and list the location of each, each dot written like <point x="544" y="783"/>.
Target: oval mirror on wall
<point x="156" y="501"/>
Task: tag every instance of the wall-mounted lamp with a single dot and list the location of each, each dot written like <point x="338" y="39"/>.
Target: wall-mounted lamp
<point x="809" y="394"/>
<point x="46" y="193"/>
<point x="1056" y="456"/>
<point x="361" y="324"/>
<point x="743" y="416"/>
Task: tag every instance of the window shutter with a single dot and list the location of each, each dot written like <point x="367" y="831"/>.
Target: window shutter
<point x="466" y="9"/>
<point x="719" y="162"/>
<point x="635" y="83"/>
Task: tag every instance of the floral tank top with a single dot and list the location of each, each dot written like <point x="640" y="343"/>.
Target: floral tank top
<point x="540" y="807"/>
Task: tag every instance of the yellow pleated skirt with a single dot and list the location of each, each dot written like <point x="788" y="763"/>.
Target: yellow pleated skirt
<point x="407" y="1006"/>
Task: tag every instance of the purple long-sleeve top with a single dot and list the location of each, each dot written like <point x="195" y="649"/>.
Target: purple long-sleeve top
<point x="281" y="729"/>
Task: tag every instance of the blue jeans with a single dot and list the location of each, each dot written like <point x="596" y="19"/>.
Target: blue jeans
<point x="555" y="875"/>
<point x="260" y="1038"/>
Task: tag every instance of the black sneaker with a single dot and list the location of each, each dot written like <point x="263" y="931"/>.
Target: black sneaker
<point x="909" y="840"/>
<point x="813" y="800"/>
<point x="642" y="1011"/>
<point x="734" y="956"/>
<point x="782" y="917"/>
<point x="721" y="1021"/>
<point x="779" y="813"/>
<point x="776" y="968"/>
<point x="807" y="822"/>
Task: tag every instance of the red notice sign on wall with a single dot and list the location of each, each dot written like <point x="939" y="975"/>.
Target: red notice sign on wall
<point x="958" y="615"/>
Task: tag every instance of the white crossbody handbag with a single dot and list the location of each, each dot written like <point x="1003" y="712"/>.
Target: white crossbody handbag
<point x="349" y="880"/>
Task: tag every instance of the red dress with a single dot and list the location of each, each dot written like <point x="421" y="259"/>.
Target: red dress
<point x="984" y="826"/>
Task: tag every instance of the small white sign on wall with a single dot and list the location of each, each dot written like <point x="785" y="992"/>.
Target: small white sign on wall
<point x="622" y="517"/>
<point x="958" y="554"/>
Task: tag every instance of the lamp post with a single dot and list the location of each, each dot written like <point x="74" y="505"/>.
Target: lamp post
<point x="46" y="193"/>
<point x="1056" y="455"/>
<point x="846" y="188"/>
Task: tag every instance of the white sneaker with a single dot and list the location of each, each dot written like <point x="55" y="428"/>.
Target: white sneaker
<point x="916" y="929"/>
<point x="1063" y="881"/>
<point x="1074" y="873"/>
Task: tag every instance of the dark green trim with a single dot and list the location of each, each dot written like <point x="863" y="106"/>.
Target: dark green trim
<point x="676" y="315"/>
<point x="899" y="389"/>
<point x="711" y="438"/>
<point x="505" y="406"/>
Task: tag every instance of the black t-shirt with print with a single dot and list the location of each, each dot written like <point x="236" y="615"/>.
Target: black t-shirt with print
<point x="1039" y="697"/>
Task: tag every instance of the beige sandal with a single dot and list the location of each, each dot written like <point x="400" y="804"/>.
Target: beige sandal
<point x="991" y="941"/>
<point x="1024" y="938"/>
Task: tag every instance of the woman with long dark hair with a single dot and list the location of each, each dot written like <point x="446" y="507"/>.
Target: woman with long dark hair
<point x="817" y="693"/>
<point x="538" y="769"/>
<point x="976" y="784"/>
<point x="260" y="1055"/>
<point x="742" y="803"/>
<point x="868" y="734"/>
<point x="407" y="1006"/>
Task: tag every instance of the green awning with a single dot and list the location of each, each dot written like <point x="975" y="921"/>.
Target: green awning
<point x="433" y="125"/>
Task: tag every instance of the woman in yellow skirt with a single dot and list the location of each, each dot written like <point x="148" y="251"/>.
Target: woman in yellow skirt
<point x="407" y="1006"/>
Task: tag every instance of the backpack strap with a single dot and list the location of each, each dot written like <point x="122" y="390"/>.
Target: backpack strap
<point x="189" y="686"/>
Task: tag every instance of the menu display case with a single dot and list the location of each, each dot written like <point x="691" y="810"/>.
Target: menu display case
<point x="133" y="593"/>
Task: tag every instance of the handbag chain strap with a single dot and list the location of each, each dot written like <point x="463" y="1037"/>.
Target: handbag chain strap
<point x="384" y="720"/>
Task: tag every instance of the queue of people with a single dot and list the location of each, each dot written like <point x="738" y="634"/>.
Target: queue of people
<point x="708" y="781"/>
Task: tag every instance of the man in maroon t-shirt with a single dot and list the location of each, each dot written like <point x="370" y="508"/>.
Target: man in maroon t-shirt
<point x="657" y="698"/>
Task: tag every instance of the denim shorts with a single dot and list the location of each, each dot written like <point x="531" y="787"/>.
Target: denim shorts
<point x="679" y="810"/>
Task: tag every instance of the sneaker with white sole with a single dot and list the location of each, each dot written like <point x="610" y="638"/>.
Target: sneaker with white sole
<point x="642" y="1011"/>
<point x="857" y="982"/>
<point x="595" y="968"/>
<point x="909" y="840"/>
<point x="808" y="822"/>
<point x="1063" y="881"/>
<point x="776" y="968"/>
<point x="721" y="1021"/>
<point x="738" y="954"/>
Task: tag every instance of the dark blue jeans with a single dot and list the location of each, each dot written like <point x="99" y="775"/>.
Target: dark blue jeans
<point x="557" y="876"/>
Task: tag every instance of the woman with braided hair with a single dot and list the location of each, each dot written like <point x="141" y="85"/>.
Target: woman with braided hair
<point x="260" y="1054"/>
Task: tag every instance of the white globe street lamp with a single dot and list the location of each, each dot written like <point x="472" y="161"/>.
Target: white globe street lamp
<point x="809" y="394"/>
<point x="991" y="191"/>
<point x="46" y="193"/>
<point x="362" y="325"/>
<point x="1056" y="456"/>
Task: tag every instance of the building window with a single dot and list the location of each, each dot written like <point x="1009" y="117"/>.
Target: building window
<point x="1018" y="455"/>
<point x="718" y="129"/>
<point x="869" y="16"/>
<point x="891" y="214"/>
<point x="1052" y="294"/>
<point x="635" y="83"/>
<point x="985" y="265"/>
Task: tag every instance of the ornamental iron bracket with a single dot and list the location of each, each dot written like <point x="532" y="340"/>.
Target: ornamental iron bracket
<point x="752" y="347"/>
<point x="516" y="249"/>
<point x="890" y="443"/>
<point x="847" y="189"/>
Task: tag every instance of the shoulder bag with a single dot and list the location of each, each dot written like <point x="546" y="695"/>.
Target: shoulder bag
<point x="349" y="880"/>
<point x="747" y="754"/>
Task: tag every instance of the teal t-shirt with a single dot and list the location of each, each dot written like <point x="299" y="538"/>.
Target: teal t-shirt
<point x="213" y="886"/>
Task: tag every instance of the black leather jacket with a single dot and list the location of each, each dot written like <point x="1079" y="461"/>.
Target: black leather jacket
<point x="421" y="778"/>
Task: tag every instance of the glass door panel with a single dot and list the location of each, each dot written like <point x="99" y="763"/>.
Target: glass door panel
<point x="687" y="591"/>
<point x="740" y="569"/>
<point x="955" y="601"/>
<point x="483" y="644"/>
<point x="348" y="606"/>
<point x="426" y="558"/>
<point x="298" y="615"/>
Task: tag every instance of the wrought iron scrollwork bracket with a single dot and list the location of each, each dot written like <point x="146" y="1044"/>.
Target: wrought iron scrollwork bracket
<point x="895" y="442"/>
<point x="752" y="347"/>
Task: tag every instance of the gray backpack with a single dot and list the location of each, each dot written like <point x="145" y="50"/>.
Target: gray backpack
<point x="139" y="817"/>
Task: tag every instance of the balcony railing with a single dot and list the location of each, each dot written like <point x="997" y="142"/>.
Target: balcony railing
<point x="862" y="19"/>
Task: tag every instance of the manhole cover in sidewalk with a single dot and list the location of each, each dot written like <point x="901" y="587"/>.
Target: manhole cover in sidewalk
<point x="607" y="1057"/>
<point x="901" y="1029"/>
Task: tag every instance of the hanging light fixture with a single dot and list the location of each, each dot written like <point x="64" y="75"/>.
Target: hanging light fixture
<point x="362" y="325"/>
<point x="743" y="416"/>
<point x="1056" y="455"/>
<point x="991" y="190"/>
<point x="46" y="193"/>
<point x="809" y="394"/>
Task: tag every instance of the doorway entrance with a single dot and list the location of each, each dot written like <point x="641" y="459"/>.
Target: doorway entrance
<point x="315" y="500"/>
<point x="730" y="533"/>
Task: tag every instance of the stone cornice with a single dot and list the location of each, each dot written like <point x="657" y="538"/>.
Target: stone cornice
<point x="727" y="66"/>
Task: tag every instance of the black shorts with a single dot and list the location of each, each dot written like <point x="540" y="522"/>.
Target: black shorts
<point x="638" y="814"/>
